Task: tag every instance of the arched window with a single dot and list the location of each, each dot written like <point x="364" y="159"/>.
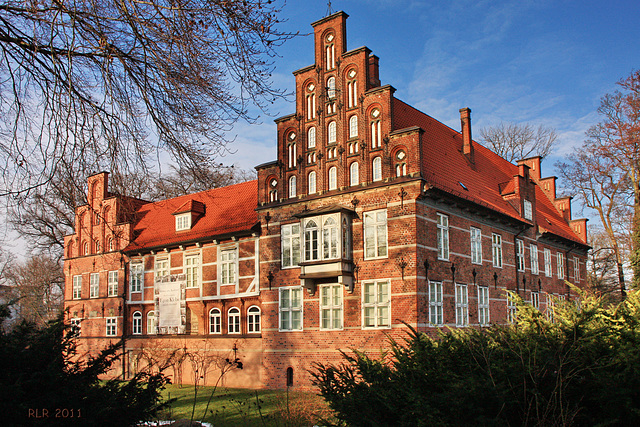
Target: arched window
<point x="377" y="169"/>
<point x="293" y="152"/>
<point x="96" y="218"/>
<point x="311" y="137"/>
<point x="352" y="89"/>
<point x="312" y="183"/>
<point x="311" y="102"/>
<point x="330" y="239"/>
<point x="292" y="186"/>
<point x="273" y="190"/>
<point x="333" y="178"/>
<point x="234" y="320"/>
<point x="215" y="321"/>
<point x="401" y="169"/>
<point x="110" y="244"/>
<point x="289" y="377"/>
<point x="331" y="87"/>
<point x="85" y="248"/>
<point x="354" y="174"/>
<point x="97" y="246"/>
<point x="311" y="241"/>
<point x="353" y="126"/>
<point x="376" y="132"/>
<point x="152" y="323"/>
<point x="330" y="52"/>
<point x="253" y="320"/>
<point x="331" y="132"/>
<point x="137" y="323"/>
<point x="346" y="240"/>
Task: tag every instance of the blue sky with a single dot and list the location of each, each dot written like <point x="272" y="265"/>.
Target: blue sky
<point x="543" y="62"/>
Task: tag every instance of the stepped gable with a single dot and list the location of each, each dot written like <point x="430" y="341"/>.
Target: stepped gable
<point x="221" y="212"/>
<point x="484" y="180"/>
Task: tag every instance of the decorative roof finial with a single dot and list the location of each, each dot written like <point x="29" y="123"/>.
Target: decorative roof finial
<point x="329" y="8"/>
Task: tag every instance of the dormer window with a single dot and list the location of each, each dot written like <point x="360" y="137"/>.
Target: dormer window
<point x="183" y="221"/>
<point x="528" y="211"/>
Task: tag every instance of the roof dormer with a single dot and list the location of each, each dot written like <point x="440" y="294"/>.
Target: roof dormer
<point x="187" y="214"/>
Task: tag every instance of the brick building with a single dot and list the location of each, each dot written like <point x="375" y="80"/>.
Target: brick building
<point x="373" y="215"/>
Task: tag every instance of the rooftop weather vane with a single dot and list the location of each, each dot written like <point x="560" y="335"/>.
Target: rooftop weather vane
<point x="329" y="9"/>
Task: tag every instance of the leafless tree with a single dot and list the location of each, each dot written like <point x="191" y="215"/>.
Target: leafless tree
<point x="515" y="141"/>
<point x="104" y="85"/>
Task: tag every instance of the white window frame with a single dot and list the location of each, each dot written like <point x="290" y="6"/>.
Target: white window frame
<point x="376" y="134"/>
<point x="136" y="323"/>
<point x="496" y="249"/>
<point x="228" y="263"/>
<point x="192" y="269"/>
<point x="152" y="323"/>
<point x="292" y="186"/>
<point x="354" y="174"/>
<point x="290" y="245"/>
<point x="533" y="258"/>
<point x="111" y="326"/>
<point x="333" y="178"/>
<point x="290" y="309"/>
<point x="320" y="240"/>
<point x="253" y="320"/>
<point x="373" y="236"/>
<point x="528" y="210"/>
<point x="576" y="268"/>
<point x="76" y="325"/>
<point x="136" y="271"/>
<point x="511" y="308"/>
<point x="379" y="304"/>
<point x="311" y="137"/>
<point x="353" y="126"/>
<point x="234" y="321"/>
<point x="535" y="300"/>
<point x="183" y="221"/>
<point x="76" y="290"/>
<point x="331" y="307"/>
<point x="520" y="255"/>
<point x="94" y="285"/>
<point x="331" y="87"/>
<point x="462" y="305"/>
<point x="436" y="317"/>
<point x="332" y="132"/>
<point x="484" y="310"/>
<point x="112" y="283"/>
<point x="560" y="261"/>
<point x="548" y="268"/>
<point x="162" y="267"/>
<point x="376" y="172"/>
<point x="311" y="183"/>
<point x="442" y="236"/>
<point x="476" y="245"/>
<point x="215" y="321"/>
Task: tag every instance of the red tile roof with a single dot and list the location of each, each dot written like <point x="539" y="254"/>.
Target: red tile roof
<point x="227" y="210"/>
<point x="483" y="181"/>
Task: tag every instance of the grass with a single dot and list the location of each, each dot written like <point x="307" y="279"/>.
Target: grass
<point x="241" y="407"/>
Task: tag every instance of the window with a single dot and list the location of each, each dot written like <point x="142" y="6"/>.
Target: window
<point x="234" y="320"/>
<point x="162" y="267"/>
<point x="97" y="246"/>
<point x="520" y="254"/>
<point x="85" y="248"/>
<point x="483" y="305"/>
<point x="112" y="284"/>
<point x="353" y="126"/>
<point x="311" y="241"/>
<point x="401" y="169"/>
<point x="533" y="254"/>
<point x="333" y="178"/>
<point x="331" y="132"/>
<point x="352" y="90"/>
<point x="77" y="287"/>
<point x="311" y="187"/>
<point x="528" y="211"/>
<point x="330" y="53"/>
<point x="476" y="246"/>
<point x="330" y="238"/>
<point x="292" y="186"/>
<point x="96" y="218"/>
<point x="253" y="320"/>
<point x="136" y="328"/>
<point x="354" y="174"/>
<point x="550" y="308"/>
<point x="377" y="169"/>
<point x="215" y="321"/>
<point x="322" y="237"/>
<point x="290" y="309"/>
<point x="110" y="244"/>
<point x="94" y="285"/>
<point x="75" y="326"/>
<point x="462" y="305"/>
<point x="152" y="323"/>
<point x="576" y="268"/>
<point x="547" y="263"/>
<point x="375" y="234"/>
<point x="560" y="265"/>
<point x="290" y="243"/>
<point x="331" y="307"/>
<point x="311" y="137"/>
<point x="228" y="267"/>
<point x="511" y="307"/>
<point x="435" y="303"/>
<point x="293" y="150"/>
<point x="496" y="248"/>
<point x="311" y="103"/>
<point x="376" y="305"/>
<point x="273" y="190"/>
<point x="192" y="267"/>
<point x="112" y="326"/>
<point x="137" y="276"/>
<point x="183" y="221"/>
<point x="535" y="300"/>
<point x="331" y="87"/>
<point x="442" y="235"/>
<point x="376" y="130"/>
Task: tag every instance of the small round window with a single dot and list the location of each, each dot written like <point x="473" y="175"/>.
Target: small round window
<point x="311" y="87"/>
<point x="400" y="155"/>
<point x="274" y="182"/>
<point x="330" y="37"/>
<point x="352" y="74"/>
<point x="375" y="113"/>
<point x="292" y="136"/>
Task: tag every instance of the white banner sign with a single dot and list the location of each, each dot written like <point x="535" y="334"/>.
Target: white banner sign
<point x="171" y="306"/>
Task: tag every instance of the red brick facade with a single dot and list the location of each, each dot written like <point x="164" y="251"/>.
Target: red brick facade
<point x="373" y="216"/>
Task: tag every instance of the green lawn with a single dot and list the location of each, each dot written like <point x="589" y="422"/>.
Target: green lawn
<point x="241" y="407"/>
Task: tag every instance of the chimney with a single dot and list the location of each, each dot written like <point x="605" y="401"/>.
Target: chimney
<point x="374" y="74"/>
<point x="465" y="120"/>
<point x="534" y="166"/>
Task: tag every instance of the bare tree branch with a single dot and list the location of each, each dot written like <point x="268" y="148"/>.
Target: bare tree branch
<point x="514" y="141"/>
